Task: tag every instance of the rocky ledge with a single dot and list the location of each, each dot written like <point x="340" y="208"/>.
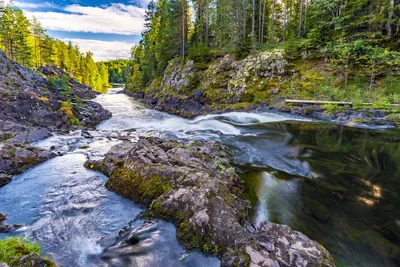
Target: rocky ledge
<point x="18" y="158"/>
<point x="195" y="187"/>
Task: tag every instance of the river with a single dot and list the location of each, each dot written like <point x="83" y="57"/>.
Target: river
<point x="337" y="184"/>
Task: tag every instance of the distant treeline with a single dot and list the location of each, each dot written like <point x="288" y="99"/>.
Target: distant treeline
<point x="26" y="42"/>
<point x="119" y="70"/>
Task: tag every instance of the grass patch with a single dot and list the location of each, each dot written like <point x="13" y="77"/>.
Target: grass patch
<point x="12" y="249"/>
<point x="66" y="108"/>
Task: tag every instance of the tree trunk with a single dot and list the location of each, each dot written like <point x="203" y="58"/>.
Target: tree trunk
<point x="263" y="22"/>
<point x="305" y="17"/>
<point x="183" y="28"/>
<point x="273" y="21"/>
<point x="372" y="77"/>
<point x="253" y="23"/>
<point x="285" y="23"/>
<point x="259" y="20"/>
<point x="207" y="26"/>
<point x="300" y="19"/>
<point x="390" y="17"/>
<point x="244" y="20"/>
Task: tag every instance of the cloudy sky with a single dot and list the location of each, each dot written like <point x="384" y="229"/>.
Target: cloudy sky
<point x="107" y="28"/>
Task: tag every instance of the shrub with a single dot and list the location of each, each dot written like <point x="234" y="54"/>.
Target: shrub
<point x="61" y="85"/>
<point x="242" y="50"/>
<point x="200" y="53"/>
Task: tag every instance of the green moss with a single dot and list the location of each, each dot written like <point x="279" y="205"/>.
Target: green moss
<point x="6" y="137"/>
<point x="12" y="249"/>
<point x="11" y="152"/>
<point x="147" y="187"/>
<point x="66" y="109"/>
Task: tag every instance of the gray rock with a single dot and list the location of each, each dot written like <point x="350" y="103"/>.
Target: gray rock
<point x="34" y="260"/>
<point x="4" y="179"/>
<point x="195" y="187"/>
<point x="3" y="217"/>
<point x="15" y="159"/>
<point x="27" y="98"/>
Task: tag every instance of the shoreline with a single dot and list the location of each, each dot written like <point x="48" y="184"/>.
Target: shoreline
<point x="190" y="107"/>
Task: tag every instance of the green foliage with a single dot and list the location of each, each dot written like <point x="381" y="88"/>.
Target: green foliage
<point x="61" y="85"/>
<point x="119" y="71"/>
<point x="194" y="82"/>
<point x="200" y="53"/>
<point x="11" y="152"/>
<point x="25" y="42"/>
<point x="242" y="49"/>
<point x="136" y="81"/>
<point x="12" y="249"/>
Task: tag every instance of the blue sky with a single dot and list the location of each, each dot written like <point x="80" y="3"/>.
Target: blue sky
<point x="107" y="28"/>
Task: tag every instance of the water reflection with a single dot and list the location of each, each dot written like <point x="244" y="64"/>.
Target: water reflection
<point x="351" y="205"/>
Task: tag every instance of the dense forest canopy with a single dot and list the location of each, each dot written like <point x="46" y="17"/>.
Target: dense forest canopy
<point x="26" y="42"/>
<point x="361" y="35"/>
<point x="119" y="70"/>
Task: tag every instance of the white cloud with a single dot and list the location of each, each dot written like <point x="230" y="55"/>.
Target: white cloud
<point x="34" y="5"/>
<point x="116" y="18"/>
<point x="103" y="50"/>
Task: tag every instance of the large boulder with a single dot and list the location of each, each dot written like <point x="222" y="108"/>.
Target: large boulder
<point x="15" y="159"/>
<point x="194" y="186"/>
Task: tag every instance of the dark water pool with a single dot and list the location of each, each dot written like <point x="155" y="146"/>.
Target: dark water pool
<point x="349" y="201"/>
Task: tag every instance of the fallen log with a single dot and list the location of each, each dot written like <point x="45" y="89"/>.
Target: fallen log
<point x="338" y="103"/>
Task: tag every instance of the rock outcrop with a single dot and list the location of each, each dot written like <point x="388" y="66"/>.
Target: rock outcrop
<point x="194" y="186"/>
<point x="18" y="158"/>
<point x="55" y="103"/>
<point x="32" y="105"/>
<point x="190" y="88"/>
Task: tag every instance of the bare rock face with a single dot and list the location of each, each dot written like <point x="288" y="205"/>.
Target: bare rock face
<point x="177" y="75"/>
<point x="194" y="186"/>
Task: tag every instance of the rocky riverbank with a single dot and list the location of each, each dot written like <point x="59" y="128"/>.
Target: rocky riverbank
<point x="195" y="187"/>
<point x="261" y="81"/>
<point x="17" y="252"/>
<point x="33" y="106"/>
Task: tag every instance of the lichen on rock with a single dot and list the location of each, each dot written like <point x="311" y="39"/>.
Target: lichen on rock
<point x="194" y="186"/>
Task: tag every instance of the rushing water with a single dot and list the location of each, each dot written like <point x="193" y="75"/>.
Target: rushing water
<point x="337" y="184"/>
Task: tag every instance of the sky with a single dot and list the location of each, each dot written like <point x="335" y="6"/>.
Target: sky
<point x="107" y="28"/>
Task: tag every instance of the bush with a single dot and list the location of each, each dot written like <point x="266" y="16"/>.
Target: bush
<point x="61" y="85"/>
<point x="200" y="53"/>
<point x="194" y="82"/>
<point x="242" y="50"/>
